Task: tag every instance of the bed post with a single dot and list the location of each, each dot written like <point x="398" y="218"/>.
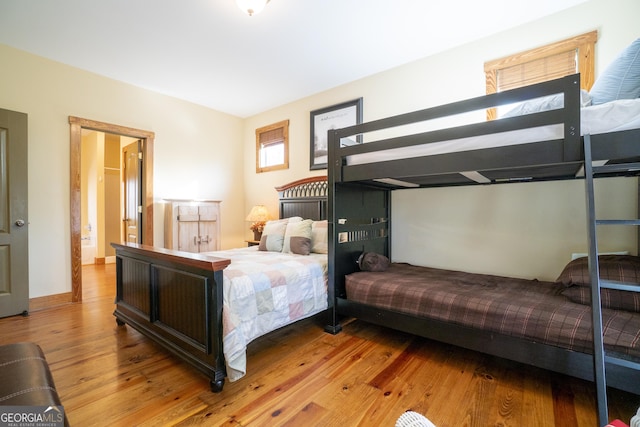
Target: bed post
<point x="333" y="325"/>
<point x="358" y="221"/>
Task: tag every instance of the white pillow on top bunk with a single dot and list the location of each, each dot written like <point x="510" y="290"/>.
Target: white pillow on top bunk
<point x="621" y="79"/>
<point x="545" y="103"/>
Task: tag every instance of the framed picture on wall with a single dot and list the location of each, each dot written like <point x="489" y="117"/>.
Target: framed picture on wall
<point x="334" y="117"/>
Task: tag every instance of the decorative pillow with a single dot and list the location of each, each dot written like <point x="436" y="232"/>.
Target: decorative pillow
<point x="610" y="298"/>
<point x="297" y="237"/>
<point x="371" y="261"/>
<point x="621" y="79"/>
<point x="319" y="237"/>
<point x="273" y="234"/>
<point x="619" y="268"/>
<point x="551" y="102"/>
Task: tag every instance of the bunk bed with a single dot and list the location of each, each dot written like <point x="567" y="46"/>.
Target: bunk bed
<point x="205" y="308"/>
<point x="537" y="144"/>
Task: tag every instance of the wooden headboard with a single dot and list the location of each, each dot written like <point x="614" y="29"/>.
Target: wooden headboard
<point x="305" y="197"/>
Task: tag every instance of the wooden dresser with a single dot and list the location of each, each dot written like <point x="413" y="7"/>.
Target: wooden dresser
<point x="192" y="225"/>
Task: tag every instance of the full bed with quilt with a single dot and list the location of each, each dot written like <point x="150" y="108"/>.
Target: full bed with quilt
<point x="206" y="308"/>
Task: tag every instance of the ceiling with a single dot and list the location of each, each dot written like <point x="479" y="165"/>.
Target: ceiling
<point x="209" y="52"/>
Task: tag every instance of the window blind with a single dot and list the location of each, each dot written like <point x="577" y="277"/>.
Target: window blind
<point x="272" y="147"/>
<point x="272" y="136"/>
<point x="537" y="71"/>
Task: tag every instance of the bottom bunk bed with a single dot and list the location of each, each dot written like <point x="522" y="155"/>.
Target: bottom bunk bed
<point x="544" y="324"/>
<point x="206" y="308"/>
<point x="419" y="150"/>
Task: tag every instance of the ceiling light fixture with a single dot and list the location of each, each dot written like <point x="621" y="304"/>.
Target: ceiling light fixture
<point x="251" y="7"/>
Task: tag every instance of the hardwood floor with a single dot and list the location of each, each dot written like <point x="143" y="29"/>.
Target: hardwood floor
<point x="297" y="376"/>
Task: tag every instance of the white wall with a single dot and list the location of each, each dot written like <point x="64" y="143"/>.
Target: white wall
<point x="202" y="153"/>
<point x="524" y="230"/>
<point x="197" y="153"/>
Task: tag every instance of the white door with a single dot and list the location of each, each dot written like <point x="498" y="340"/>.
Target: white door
<point x="14" y="224"/>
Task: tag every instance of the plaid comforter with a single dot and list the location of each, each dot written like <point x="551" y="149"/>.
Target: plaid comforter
<point x="522" y="308"/>
<point x="263" y="291"/>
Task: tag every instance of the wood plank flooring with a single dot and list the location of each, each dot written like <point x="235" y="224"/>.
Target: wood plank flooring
<point x="298" y="376"/>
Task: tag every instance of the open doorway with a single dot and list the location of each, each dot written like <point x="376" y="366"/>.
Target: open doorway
<point x="105" y="183"/>
<point x="146" y="140"/>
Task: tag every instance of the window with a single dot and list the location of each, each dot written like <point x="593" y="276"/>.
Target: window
<point x="272" y="147"/>
<point x="544" y="63"/>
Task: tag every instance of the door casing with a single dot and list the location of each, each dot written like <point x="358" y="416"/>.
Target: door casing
<point x="147" y="137"/>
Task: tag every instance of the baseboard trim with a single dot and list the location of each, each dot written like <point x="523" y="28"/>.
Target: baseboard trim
<point x="49" y="301"/>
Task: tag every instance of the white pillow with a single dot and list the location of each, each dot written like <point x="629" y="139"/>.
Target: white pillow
<point x="551" y="102"/>
<point x="319" y="237"/>
<point x="621" y="79"/>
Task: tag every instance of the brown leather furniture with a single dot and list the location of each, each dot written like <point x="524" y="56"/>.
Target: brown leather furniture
<point x="25" y="378"/>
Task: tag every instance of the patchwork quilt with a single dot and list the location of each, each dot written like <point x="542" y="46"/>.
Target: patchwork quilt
<point x="264" y="291"/>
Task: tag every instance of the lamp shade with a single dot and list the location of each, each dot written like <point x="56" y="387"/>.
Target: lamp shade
<point x="258" y="213"/>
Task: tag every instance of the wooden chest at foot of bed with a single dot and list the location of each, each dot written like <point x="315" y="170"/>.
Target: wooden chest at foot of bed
<point x="175" y="299"/>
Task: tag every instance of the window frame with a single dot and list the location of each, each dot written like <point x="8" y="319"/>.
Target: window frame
<point x="284" y="125"/>
<point x="584" y="44"/>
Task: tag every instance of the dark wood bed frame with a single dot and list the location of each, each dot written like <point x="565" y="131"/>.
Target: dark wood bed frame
<point x="360" y="209"/>
<point x="154" y="285"/>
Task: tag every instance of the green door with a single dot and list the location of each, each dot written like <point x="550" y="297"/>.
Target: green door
<point x="14" y="224"/>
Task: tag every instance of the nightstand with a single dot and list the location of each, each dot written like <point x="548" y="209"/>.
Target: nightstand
<point x="252" y="242"/>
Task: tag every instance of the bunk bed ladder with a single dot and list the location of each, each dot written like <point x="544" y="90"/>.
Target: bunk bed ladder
<point x="599" y="356"/>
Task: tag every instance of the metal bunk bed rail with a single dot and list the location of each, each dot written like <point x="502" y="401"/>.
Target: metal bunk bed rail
<point x="600" y="358"/>
<point x="548" y="159"/>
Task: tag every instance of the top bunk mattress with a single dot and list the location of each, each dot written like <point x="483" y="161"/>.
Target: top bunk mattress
<point x="528" y="309"/>
<point x="598" y="119"/>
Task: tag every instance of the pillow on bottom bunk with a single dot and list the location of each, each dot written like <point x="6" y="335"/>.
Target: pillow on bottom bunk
<point x="371" y="261"/>
<point x="618" y="268"/>
<point x="610" y="298"/>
